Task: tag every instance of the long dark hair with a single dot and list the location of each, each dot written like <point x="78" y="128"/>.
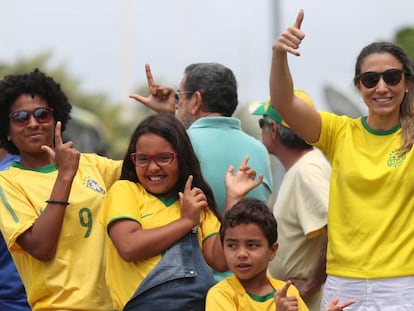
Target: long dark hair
<point x="169" y="128"/>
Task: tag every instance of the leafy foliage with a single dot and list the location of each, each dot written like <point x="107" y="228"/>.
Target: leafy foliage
<point x="405" y="38"/>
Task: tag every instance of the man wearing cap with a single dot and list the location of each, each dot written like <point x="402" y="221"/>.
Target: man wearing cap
<point x="301" y="205"/>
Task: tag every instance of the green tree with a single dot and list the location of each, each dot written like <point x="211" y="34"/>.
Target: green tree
<point x="405" y="38"/>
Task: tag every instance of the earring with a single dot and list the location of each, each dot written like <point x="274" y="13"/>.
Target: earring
<point x="8" y="138"/>
<point x="406" y="90"/>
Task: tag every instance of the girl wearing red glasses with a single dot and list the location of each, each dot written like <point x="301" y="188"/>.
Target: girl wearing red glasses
<point x="51" y="198"/>
<point x="370" y="220"/>
<point x="163" y="221"/>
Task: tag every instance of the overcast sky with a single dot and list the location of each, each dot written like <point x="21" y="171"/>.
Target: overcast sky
<point x="105" y="43"/>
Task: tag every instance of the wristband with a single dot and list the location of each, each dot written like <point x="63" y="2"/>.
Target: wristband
<point x="57" y="202"/>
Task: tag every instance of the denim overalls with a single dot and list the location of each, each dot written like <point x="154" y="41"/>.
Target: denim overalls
<point x="180" y="280"/>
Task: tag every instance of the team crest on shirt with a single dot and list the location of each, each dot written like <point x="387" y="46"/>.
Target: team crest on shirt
<point x="92" y="184"/>
<point x="395" y="159"/>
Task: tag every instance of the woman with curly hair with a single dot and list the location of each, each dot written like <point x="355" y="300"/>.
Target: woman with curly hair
<point x="50" y="200"/>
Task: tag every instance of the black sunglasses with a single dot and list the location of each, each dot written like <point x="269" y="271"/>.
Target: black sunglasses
<point x="391" y="77"/>
<point x="41" y="114"/>
<point x="178" y="94"/>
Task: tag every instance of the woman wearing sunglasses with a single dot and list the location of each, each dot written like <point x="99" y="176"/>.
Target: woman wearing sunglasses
<point x="51" y="198"/>
<point x="370" y="219"/>
<point x="163" y="221"/>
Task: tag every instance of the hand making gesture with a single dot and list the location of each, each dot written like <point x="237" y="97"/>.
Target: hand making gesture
<point x="160" y="98"/>
<point x="64" y="155"/>
<point x="283" y="301"/>
<point x="334" y="305"/>
<point x="292" y="37"/>
<point x="192" y="201"/>
<point x="240" y="183"/>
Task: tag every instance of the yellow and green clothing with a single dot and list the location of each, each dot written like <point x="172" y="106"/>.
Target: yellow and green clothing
<point x="230" y="295"/>
<point x="74" y="278"/>
<point x="371" y="204"/>
<point x="128" y="200"/>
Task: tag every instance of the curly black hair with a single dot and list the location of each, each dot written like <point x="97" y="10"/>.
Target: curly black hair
<point x="35" y="83"/>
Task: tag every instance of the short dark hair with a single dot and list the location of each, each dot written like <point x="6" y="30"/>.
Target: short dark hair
<point x="247" y="211"/>
<point x="216" y="83"/>
<point x="168" y="127"/>
<point x="290" y="139"/>
<point x="35" y="83"/>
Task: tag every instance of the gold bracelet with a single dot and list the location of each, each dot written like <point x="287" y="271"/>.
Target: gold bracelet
<point x="57" y="202"/>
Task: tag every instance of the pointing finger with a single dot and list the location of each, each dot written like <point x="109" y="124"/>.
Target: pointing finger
<point x="282" y="293"/>
<point x="58" y="134"/>
<point x="285" y="288"/>
<point x="299" y="19"/>
<point x="188" y="183"/>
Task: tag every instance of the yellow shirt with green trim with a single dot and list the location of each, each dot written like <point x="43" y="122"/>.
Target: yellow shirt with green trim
<point x="128" y="200"/>
<point x="230" y="295"/>
<point x="74" y="278"/>
<point x="371" y="204"/>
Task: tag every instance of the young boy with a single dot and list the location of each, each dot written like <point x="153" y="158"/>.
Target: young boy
<point x="249" y="237"/>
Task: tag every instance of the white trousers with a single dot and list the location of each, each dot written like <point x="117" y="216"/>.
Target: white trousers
<point x="390" y="294"/>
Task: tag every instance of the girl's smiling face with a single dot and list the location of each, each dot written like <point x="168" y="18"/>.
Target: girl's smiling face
<point x="156" y="179"/>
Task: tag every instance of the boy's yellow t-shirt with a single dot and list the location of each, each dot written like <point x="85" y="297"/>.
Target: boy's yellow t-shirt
<point x="230" y="295"/>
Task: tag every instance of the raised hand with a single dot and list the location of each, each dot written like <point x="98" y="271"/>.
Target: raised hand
<point x="65" y="156"/>
<point x="284" y="302"/>
<point x="292" y="37"/>
<point x="240" y="183"/>
<point x="334" y="305"/>
<point x="160" y="98"/>
<point x="192" y="201"/>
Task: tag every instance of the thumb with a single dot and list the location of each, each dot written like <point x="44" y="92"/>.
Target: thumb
<point x="299" y="19"/>
<point x="180" y="196"/>
<point x="137" y="97"/>
<point x="50" y="152"/>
